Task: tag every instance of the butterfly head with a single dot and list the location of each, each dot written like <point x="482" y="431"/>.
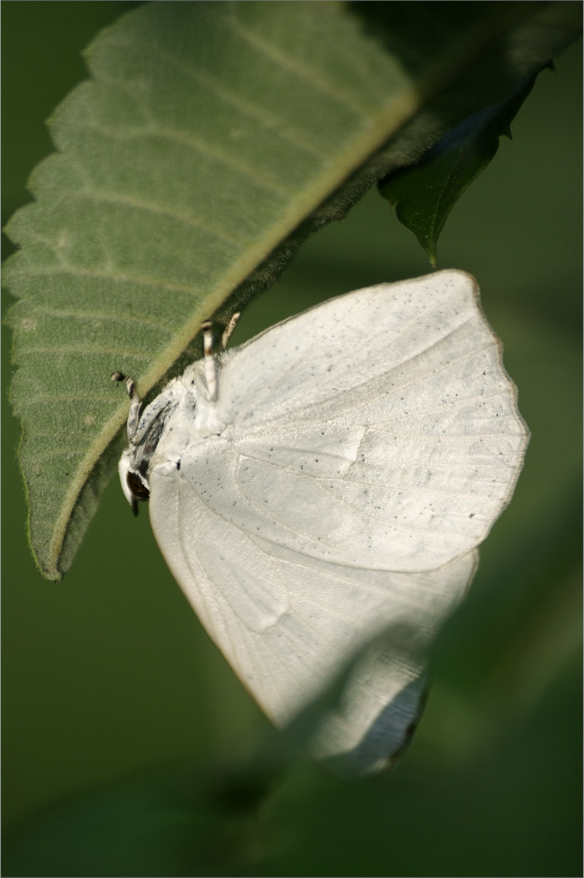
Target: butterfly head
<point x="134" y="485"/>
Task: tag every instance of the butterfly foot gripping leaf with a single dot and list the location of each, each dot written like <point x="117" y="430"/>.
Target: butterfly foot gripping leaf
<point x="319" y="494"/>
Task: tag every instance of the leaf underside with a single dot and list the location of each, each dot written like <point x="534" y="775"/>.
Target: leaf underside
<point x="424" y="195"/>
<point x="210" y="141"/>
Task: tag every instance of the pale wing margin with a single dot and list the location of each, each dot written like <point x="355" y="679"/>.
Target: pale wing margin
<point x="289" y="624"/>
<point x="394" y="453"/>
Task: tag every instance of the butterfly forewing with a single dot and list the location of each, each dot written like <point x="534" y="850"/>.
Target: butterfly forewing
<point x="377" y="430"/>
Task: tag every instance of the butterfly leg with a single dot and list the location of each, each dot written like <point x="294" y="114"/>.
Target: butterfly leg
<point x="209" y="361"/>
<point x="135" y="403"/>
<point x="229" y="329"/>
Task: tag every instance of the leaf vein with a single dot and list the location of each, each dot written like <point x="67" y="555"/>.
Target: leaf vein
<point x="46" y="398"/>
<point x="86" y="349"/>
<point x="157" y="210"/>
<point x="98" y="316"/>
<point x="106" y="275"/>
<point x="300" y="71"/>
<point x="268" y="120"/>
<point x="198" y="144"/>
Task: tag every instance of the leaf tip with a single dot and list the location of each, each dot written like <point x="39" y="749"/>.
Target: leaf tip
<point x="48" y="571"/>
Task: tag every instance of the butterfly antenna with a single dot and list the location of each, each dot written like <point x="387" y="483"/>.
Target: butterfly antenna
<point x="135" y="403"/>
<point x="209" y="361"/>
<point x="229" y="329"/>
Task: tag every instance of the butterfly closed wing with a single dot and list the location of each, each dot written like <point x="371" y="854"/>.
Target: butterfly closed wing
<point x="325" y="491"/>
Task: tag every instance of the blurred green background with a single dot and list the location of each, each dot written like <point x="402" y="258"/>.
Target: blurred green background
<point x="122" y="718"/>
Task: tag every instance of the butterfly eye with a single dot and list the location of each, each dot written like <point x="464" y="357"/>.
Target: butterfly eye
<point x="138" y="490"/>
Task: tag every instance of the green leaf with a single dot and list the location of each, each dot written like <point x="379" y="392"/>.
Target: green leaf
<point x="424" y="195"/>
<point x="211" y="140"/>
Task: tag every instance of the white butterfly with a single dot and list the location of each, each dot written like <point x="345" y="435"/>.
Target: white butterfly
<point x="323" y="488"/>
